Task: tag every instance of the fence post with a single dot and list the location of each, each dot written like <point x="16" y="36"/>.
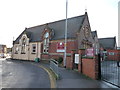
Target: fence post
<point x="72" y="59"/>
<point x="99" y="67"/>
<point x="81" y="52"/>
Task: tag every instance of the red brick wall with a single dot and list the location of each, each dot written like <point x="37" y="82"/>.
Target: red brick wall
<point x="81" y="52"/>
<point x="116" y="55"/>
<point x="53" y="47"/>
<point x="45" y="56"/>
<point x="71" y="45"/>
<point x="68" y="62"/>
<point x="89" y="68"/>
<point x="55" y="56"/>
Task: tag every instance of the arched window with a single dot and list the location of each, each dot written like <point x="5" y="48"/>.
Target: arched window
<point x="16" y="50"/>
<point x="46" y="42"/>
<point x="23" y="46"/>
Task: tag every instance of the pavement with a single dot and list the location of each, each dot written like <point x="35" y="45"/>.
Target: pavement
<point x="73" y="79"/>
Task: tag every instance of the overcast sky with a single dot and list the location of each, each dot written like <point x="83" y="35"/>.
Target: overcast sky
<point x="15" y="15"/>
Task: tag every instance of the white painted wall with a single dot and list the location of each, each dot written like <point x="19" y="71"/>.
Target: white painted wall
<point x="28" y="55"/>
<point x="28" y="51"/>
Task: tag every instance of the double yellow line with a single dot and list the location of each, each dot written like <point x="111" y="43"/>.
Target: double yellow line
<point x="51" y="77"/>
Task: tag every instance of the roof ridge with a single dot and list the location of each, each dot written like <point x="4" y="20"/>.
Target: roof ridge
<point x="56" y="21"/>
<point x="107" y="38"/>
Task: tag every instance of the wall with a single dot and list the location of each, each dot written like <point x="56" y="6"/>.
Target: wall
<point x="86" y="66"/>
<point x="31" y="55"/>
<point x="116" y="55"/>
<point x="71" y="44"/>
<point x="89" y="68"/>
<point x="28" y="55"/>
<point x="69" y="62"/>
<point x="19" y="55"/>
<point x="81" y="34"/>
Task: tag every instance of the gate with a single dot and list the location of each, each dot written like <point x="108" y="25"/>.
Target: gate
<point x="110" y="69"/>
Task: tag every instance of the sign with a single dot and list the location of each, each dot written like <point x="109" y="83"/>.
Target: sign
<point x="76" y="58"/>
<point x="60" y="47"/>
<point x="104" y="51"/>
<point x="90" y="52"/>
<point x="111" y="53"/>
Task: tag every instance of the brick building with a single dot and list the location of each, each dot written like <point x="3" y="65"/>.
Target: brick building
<point x="109" y="48"/>
<point x="41" y="41"/>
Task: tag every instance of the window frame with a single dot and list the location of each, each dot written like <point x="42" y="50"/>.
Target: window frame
<point x="16" y="50"/>
<point x="32" y="51"/>
<point x="46" y="43"/>
<point x="23" y="46"/>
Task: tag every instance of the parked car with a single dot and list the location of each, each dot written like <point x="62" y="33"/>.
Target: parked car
<point x="2" y="55"/>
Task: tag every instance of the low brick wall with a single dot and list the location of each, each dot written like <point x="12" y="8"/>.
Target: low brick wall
<point x="89" y="68"/>
<point x="116" y="55"/>
<point x="69" y="63"/>
<point x="56" y="57"/>
<point x="45" y="56"/>
<point x="86" y="66"/>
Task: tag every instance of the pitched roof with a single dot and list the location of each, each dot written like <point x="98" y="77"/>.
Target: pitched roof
<point x="94" y="34"/>
<point x="74" y="24"/>
<point x="108" y="43"/>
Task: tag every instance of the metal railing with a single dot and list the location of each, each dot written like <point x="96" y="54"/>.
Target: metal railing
<point x="54" y="67"/>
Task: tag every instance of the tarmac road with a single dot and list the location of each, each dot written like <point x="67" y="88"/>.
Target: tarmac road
<point x="23" y="74"/>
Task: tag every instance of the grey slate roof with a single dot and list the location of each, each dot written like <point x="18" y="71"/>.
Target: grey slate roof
<point x="94" y="34"/>
<point x="74" y="24"/>
<point x="108" y="43"/>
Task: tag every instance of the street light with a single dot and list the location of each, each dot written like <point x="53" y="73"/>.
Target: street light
<point x="65" y="34"/>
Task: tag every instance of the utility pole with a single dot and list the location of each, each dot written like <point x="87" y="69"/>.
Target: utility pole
<point x="119" y="25"/>
<point x="65" y="45"/>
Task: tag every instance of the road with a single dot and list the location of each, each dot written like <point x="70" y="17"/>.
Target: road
<point x="23" y="74"/>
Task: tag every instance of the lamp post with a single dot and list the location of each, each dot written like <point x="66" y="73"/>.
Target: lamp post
<point x="65" y="34"/>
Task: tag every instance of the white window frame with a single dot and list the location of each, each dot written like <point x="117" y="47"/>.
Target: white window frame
<point x="16" y="50"/>
<point x="34" y="48"/>
<point x="23" y="46"/>
<point x="46" y="42"/>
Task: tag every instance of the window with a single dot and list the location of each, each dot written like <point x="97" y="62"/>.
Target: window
<point x="23" y="46"/>
<point x="46" y="43"/>
<point x="16" y="50"/>
<point x="33" y="48"/>
<point x="87" y="44"/>
<point x="111" y="53"/>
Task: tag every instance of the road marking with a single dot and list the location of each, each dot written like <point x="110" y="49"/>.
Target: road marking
<point x="52" y="79"/>
<point x="2" y="59"/>
<point x="9" y="62"/>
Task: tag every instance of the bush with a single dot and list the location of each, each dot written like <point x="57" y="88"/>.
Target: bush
<point x="60" y="60"/>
